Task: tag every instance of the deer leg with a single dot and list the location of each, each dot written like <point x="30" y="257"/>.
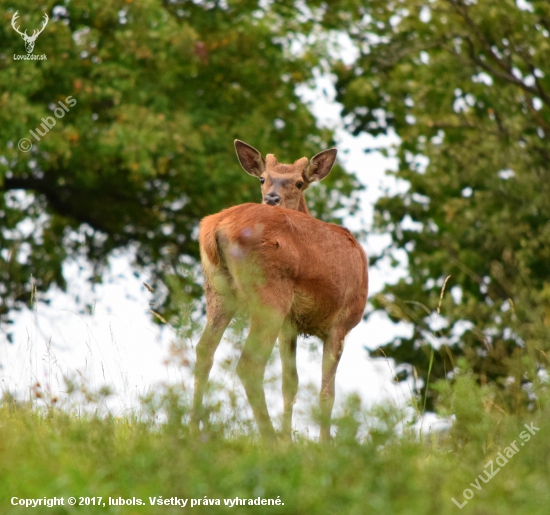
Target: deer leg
<point x="251" y="367"/>
<point x="218" y="317"/>
<point x="287" y="348"/>
<point x="333" y="346"/>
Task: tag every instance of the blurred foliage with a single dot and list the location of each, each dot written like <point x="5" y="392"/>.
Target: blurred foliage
<point x="465" y="85"/>
<point x="162" y="90"/>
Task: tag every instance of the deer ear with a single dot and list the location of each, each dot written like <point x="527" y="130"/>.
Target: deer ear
<point x="320" y="165"/>
<point x="251" y="160"/>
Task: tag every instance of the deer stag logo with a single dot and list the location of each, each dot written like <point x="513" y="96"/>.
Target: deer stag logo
<point x="29" y="40"/>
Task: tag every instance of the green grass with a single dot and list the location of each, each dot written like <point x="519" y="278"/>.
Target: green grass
<point x="63" y="452"/>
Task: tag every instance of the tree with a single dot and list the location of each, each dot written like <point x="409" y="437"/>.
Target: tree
<point x="161" y="90"/>
<point x="466" y="87"/>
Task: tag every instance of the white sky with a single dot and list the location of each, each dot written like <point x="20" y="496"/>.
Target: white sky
<point x="118" y="344"/>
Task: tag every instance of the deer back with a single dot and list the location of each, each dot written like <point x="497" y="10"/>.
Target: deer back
<point x="312" y="271"/>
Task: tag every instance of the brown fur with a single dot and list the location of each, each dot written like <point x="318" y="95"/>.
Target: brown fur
<point x="294" y="275"/>
<point x="321" y="264"/>
<point x="282" y="179"/>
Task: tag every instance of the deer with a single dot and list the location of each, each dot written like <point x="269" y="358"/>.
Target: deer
<point x="293" y="275"/>
<point x="29" y="40"/>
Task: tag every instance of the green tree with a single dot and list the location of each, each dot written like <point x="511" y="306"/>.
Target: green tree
<point x="162" y="89"/>
<point x="466" y="85"/>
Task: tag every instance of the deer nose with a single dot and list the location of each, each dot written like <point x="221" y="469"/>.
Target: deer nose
<point x="272" y="199"/>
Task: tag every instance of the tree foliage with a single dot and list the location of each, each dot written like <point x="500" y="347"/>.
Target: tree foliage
<point x="466" y="87"/>
<point x="162" y="90"/>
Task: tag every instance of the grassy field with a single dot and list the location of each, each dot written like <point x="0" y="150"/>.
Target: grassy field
<point x="62" y="452"/>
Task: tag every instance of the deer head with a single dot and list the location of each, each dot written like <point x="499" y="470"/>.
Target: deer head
<point x="284" y="185"/>
<point x="29" y="40"/>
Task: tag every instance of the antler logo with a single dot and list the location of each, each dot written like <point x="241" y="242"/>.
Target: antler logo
<point x="29" y="40"/>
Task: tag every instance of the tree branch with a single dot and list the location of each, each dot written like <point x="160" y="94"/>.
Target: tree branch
<point x="56" y="197"/>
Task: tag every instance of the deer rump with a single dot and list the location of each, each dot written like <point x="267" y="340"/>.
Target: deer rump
<point x="311" y="273"/>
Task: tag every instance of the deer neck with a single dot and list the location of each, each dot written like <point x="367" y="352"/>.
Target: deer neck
<point x="302" y="206"/>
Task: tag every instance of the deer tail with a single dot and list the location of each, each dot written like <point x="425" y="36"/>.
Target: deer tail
<point x="210" y="251"/>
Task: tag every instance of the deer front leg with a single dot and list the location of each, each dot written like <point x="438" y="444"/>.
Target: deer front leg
<point x="287" y="348"/>
<point x="333" y="346"/>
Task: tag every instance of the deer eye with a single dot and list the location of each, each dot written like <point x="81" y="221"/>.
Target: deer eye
<point x="299" y="184"/>
<point x="262" y="180"/>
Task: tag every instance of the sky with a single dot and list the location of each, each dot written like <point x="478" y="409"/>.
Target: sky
<point x="116" y="343"/>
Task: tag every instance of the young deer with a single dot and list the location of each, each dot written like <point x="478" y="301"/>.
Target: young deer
<point x="293" y="274"/>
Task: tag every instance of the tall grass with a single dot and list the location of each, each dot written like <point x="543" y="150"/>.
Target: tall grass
<point x="67" y="445"/>
<point x="60" y="450"/>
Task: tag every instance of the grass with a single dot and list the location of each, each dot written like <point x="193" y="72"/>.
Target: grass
<point x="378" y="463"/>
<point x="53" y="451"/>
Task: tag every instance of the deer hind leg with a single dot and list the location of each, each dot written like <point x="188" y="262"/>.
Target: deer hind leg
<point x="333" y="345"/>
<point x="287" y="348"/>
<point x="219" y="312"/>
<point x="265" y="325"/>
